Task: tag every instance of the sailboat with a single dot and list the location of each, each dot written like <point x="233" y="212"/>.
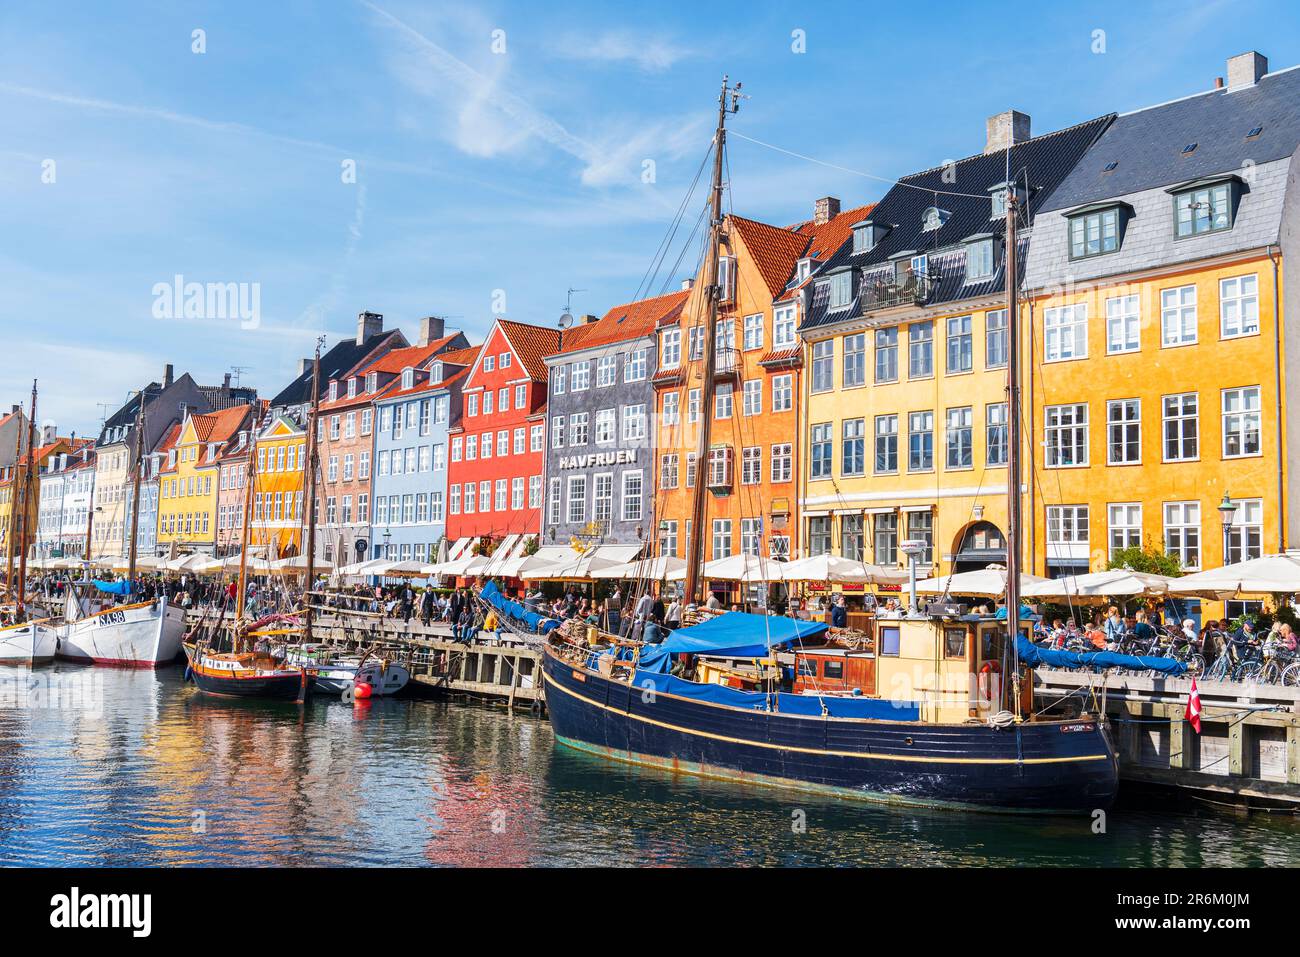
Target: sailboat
<point x="142" y="634"/>
<point x="24" y="642"/>
<point x="246" y="658"/>
<point x="936" y="709"/>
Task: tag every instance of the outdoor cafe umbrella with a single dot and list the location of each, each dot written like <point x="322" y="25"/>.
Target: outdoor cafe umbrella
<point x="186" y="563"/>
<point x="990" y="582"/>
<point x="836" y="568"/>
<point x="362" y="569"/>
<point x="1098" y="586"/>
<point x="1266" y="575"/>
<point x="740" y="568"/>
<point x="648" y="569"/>
<point x="399" y="569"/>
<point x="579" y="568"/>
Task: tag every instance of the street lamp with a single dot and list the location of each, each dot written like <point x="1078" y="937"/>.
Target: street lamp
<point x="913" y="548"/>
<point x="1227" y="509"/>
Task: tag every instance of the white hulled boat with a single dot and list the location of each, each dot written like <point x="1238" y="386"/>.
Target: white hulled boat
<point x="30" y="643"/>
<point x="141" y="635"/>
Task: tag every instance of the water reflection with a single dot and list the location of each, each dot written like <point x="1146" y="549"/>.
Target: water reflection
<point x="154" y="773"/>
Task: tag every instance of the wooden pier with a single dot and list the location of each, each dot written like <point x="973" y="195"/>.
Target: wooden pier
<point x="1247" y="755"/>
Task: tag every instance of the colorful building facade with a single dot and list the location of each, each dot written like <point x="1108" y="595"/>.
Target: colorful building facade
<point x="189" y="479"/>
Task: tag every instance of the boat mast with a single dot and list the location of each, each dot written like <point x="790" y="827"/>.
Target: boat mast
<point x="21" y="592"/>
<point x="251" y="472"/>
<point x="309" y="499"/>
<point x="13" y="510"/>
<point x="728" y="102"/>
<point x="1013" y="444"/>
<point x="137" y="458"/>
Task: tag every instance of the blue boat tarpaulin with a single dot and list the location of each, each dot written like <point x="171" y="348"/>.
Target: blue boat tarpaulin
<point x="737" y="634"/>
<point x="1034" y="655"/>
<point x="492" y="595"/>
<point x="781" y="702"/>
<point x="122" y="587"/>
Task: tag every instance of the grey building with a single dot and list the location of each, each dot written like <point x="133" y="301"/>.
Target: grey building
<point x="599" y="474"/>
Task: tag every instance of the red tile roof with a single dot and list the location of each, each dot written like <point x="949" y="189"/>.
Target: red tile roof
<point x="531" y="344"/>
<point x="460" y="357"/>
<point x="631" y="320"/>
<point x="395" y="360"/>
<point x="773" y="250"/>
<point x="220" y="426"/>
<point x="826" y="238"/>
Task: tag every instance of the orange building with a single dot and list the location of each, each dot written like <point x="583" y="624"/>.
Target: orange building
<point x="751" y="471"/>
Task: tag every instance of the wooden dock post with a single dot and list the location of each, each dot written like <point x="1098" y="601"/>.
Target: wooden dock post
<point x="1292" y="754"/>
<point x="1180" y="753"/>
<point x="1236" y="746"/>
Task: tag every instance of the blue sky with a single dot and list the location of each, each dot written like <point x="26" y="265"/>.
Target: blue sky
<point x="480" y="168"/>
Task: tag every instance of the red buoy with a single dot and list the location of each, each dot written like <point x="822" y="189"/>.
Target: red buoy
<point x="361" y="691"/>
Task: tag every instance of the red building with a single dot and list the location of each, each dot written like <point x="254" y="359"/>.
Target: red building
<point x="498" y="446"/>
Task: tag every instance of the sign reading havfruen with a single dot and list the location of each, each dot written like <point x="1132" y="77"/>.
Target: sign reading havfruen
<point x="598" y="459"/>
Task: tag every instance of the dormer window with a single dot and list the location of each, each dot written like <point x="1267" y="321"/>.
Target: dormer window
<point x="435" y="373"/>
<point x="352" y="387"/>
<point x="979" y="258"/>
<point x="1204" y="207"/>
<point x="408" y="377"/>
<point x="934" y="218"/>
<point x="998" y="199"/>
<point x="334" y="389"/>
<point x="1096" y="230"/>
<point x="372" y="381"/>
<point x="803" y="269"/>
<point x="841" y="289"/>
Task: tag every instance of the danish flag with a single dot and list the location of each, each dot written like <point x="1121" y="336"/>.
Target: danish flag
<point x="1194" y="708"/>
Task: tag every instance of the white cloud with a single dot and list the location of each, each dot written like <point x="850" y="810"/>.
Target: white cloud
<point x="651" y="54"/>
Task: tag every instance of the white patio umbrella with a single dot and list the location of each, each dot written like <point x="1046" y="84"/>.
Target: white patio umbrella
<point x="836" y="568"/>
<point x="1256" y="576"/>
<point x="400" y="569"/>
<point x="362" y="569"/>
<point x="465" y="565"/>
<point x="1098" y="586"/>
<point x="580" y="567"/>
<point x="650" y="569"/>
<point x="990" y="582"/>
<point x="186" y="563"/>
<point x="740" y="568"/>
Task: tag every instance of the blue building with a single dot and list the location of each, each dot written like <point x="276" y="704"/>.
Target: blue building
<point x="409" y="484"/>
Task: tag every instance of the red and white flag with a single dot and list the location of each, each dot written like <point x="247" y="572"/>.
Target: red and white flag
<point x="1194" y="708"/>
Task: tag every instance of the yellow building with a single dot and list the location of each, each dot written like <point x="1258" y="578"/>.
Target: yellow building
<point x="905" y="347"/>
<point x="278" y="492"/>
<point x="1154" y="291"/>
<point x="189" y="479"/>
<point x="11" y="491"/>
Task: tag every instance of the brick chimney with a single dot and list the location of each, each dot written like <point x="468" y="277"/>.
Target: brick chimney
<point x="48" y="434"/>
<point x="432" y="328"/>
<point x="588" y="319"/>
<point x="688" y="285"/>
<point x="167" y="375"/>
<point x="304" y="365"/>
<point x="1245" y="70"/>
<point x="825" y="209"/>
<point x="369" y="324"/>
<point x="1003" y="129"/>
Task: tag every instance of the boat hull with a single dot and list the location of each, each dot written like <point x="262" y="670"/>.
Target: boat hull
<point x="32" y="643"/>
<point x="286" y="687"/>
<point x="143" y="635"/>
<point x="1047" y="767"/>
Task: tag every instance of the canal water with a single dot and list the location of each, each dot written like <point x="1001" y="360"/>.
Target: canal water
<point x="101" y="767"/>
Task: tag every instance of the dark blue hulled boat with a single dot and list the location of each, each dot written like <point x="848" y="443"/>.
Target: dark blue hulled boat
<point x="957" y="749"/>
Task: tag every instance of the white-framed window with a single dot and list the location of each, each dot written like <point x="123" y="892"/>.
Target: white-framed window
<point x="485" y="445"/>
<point x="1178" y="316"/>
<point x="505" y="360"/>
<point x="751" y="536"/>
<point x="518" y="441"/>
<point x="853" y="371"/>
<point x="668" y="470"/>
<point x="606" y="426"/>
<point x="1181" y="427"/>
<point x="668" y="538"/>
<point x="534" y="491"/>
<point x="751" y="465"/>
<point x="823" y="365"/>
<point x="841" y="289"/>
<point x="822" y="447"/>
<point x="577" y="499"/>
<point x="995" y="434"/>
<point x="633" y="495"/>
<point x="1066" y="434"/>
<point x="887" y="354"/>
<point x="783" y="326"/>
<point x="1065" y="332"/>
<point x="1241" y="422"/>
<point x="1183" y="532"/>
<point x="721" y="538"/>
<point x="670" y="348"/>
<point x="488" y="396"/>
<point x="485" y="496"/>
<point x="580" y="377"/>
<point x="1124" y="432"/>
<point x="783" y="393"/>
<point x="920" y="441"/>
<point x="501" y="495"/>
<point x="853" y="447"/>
<point x="979" y="260"/>
<point x="693" y="406"/>
<point x="557" y="432"/>
<point x="752" y="397"/>
<point x="471" y="403"/>
<point x="753" y="331"/>
<point x="722" y="401"/>
<point x="1123" y="324"/>
<point x="1245" y="539"/>
<point x="1124" y="526"/>
<point x="489" y="363"/>
<point x="553" y="503"/>
<point x="959" y="437"/>
<point x="517" y="493"/>
<point x="920" y="350"/>
<point x="670" y="414"/>
<point x="559" y="376"/>
<point x="470" y="498"/>
<point x="578" y="428"/>
<point x="1067" y="525"/>
<point x="471" y="448"/>
<point x="606" y="367"/>
<point x="782" y="462"/>
<point x="886" y="444"/>
<point x="536" y="439"/>
<point x="960" y="347"/>
<point x="602" y="496"/>
<point x="634" y="422"/>
<point x="638" y="361"/>
<point x="1239" y="306"/>
<point x="521" y="396"/>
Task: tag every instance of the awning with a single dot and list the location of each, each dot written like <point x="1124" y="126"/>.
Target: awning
<point x="504" y="550"/>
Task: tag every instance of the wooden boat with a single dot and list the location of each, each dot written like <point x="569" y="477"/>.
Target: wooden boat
<point x="138" y="635"/>
<point x="28" y="643"/>
<point x="248" y="674"/>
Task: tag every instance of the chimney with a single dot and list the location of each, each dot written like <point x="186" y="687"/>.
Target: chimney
<point x="15" y="408"/>
<point x="1004" y="129"/>
<point x="1218" y="83"/>
<point x="184" y="410"/>
<point x="432" y="328"/>
<point x="167" y="375"/>
<point x="1245" y="70"/>
<point x="368" y="324"/>
<point x="589" y="318"/>
<point x="225" y="381"/>
<point x="304" y="365"/>
<point x="825" y="209"/>
<point x="687" y="285"/>
<point x="48" y="434"/>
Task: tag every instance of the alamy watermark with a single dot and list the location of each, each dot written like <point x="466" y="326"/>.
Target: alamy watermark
<point x="179" y="299"/>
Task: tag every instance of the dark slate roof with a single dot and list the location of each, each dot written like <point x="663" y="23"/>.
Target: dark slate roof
<point x="1147" y="145"/>
<point x="125" y="416"/>
<point x="334" y="364"/>
<point x="1042" y="161"/>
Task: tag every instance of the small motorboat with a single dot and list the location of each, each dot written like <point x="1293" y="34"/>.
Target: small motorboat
<point x="339" y="675"/>
<point x="28" y="643"/>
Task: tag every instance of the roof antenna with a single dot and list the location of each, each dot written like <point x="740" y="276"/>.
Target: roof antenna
<point x="566" y="317"/>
